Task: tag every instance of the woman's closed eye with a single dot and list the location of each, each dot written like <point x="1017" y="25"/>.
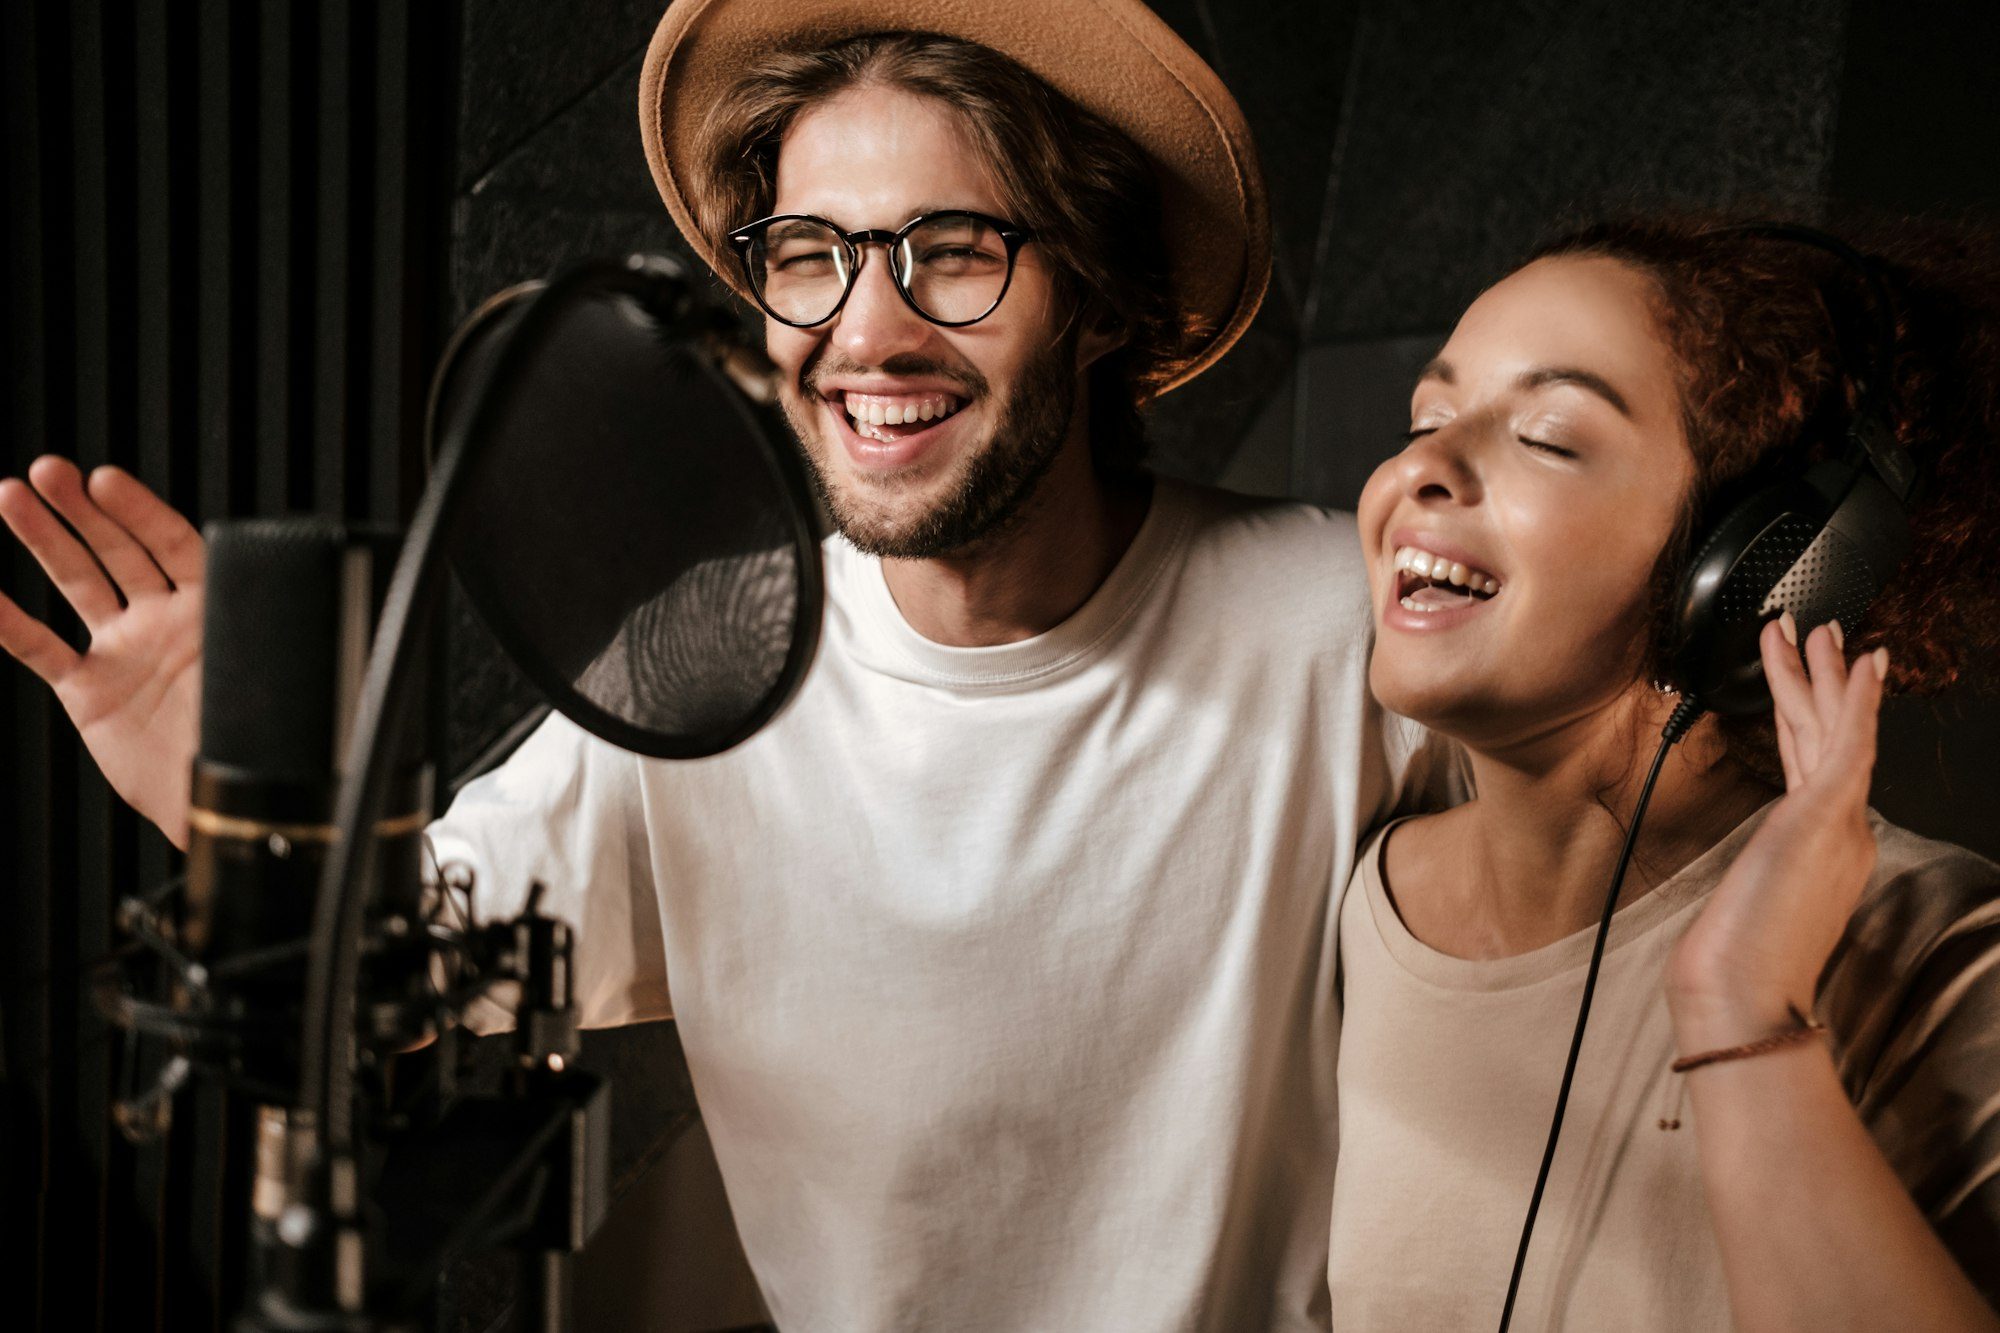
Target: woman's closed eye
<point x="1544" y="446"/>
<point x="1548" y="447"/>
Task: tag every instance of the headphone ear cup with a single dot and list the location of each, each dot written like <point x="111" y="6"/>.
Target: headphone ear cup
<point x="1719" y="609"/>
<point x="1822" y="547"/>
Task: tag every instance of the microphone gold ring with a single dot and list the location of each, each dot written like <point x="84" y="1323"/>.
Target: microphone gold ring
<point x="218" y="825"/>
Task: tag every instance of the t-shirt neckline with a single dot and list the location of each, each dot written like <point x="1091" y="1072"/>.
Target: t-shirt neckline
<point x="1554" y="962"/>
<point x="1065" y="647"/>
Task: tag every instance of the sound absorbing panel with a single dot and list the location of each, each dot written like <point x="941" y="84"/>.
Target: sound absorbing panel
<point x="225" y="231"/>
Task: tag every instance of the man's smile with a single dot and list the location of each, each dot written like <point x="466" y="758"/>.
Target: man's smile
<point x="890" y="417"/>
<point x="890" y="432"/>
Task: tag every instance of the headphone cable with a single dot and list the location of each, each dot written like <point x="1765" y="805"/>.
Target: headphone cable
<point x="1684" y="716"/>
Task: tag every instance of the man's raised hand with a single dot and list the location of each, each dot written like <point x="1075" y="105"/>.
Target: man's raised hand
<point x="135" y="580"/>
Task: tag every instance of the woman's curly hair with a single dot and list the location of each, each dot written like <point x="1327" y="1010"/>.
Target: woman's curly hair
<point x="1763" y="331"/>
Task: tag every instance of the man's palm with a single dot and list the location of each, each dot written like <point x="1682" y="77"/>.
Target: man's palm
<point x="132" y="569"/>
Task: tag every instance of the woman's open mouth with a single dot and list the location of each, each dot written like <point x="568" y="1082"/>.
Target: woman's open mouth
<point x="1428" y="584"/>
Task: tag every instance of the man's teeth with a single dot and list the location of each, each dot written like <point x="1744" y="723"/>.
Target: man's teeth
<point x="905" y="410"/>
<point x="1440" y="570"/>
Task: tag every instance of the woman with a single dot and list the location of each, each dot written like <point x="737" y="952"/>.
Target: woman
<point x="1523" y="548"/>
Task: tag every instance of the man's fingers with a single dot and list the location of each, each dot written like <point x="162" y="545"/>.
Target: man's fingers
<point x="35" y="645"/>
<point x="59" y="483"/>
<point x="1792" y="696"/>
<point x="62" y="557"/>
<point x="169" y="538"/>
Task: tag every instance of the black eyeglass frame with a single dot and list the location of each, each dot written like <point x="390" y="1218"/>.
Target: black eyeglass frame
<point x="1011" y="236"/>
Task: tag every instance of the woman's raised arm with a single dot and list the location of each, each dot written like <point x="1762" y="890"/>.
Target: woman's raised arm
<point x="1816" y="1229"/>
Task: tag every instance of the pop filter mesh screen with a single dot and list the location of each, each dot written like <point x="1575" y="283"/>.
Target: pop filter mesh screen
<point x="629" y="533"/>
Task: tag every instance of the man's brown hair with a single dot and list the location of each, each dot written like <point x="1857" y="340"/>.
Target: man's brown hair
<point x="1082" y="186"/>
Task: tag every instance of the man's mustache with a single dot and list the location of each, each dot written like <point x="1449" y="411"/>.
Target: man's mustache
<point x="828" y="366"/>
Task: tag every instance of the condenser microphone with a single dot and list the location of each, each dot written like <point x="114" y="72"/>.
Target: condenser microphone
<point x="290" y="607"/>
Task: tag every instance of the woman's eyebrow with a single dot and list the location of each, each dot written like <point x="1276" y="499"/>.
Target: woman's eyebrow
<point x="1439" y="369"/>
<point x="1542" y="376"/>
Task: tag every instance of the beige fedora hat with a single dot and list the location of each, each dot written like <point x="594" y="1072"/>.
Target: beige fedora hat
<point x="1113" y="57"/>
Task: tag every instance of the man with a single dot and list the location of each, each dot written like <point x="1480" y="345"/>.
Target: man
<point x="1003" y="958"/>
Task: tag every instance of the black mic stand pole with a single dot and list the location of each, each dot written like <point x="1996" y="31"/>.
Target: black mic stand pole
<point x="326" y="1273"/>
<point x="526" y="1168"/>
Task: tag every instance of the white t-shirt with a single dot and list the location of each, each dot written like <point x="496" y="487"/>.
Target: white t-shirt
<point x="1449" y="1069"/>
<point x="1004" y="974"/>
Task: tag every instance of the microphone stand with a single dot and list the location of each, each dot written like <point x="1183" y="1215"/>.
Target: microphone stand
<point x="359" y="1209"/>
<point x="527" y="1168"/>
<point x="541" y="1148"/>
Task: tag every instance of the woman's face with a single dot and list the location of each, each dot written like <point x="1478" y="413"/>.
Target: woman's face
<point x="1511" y="543"/>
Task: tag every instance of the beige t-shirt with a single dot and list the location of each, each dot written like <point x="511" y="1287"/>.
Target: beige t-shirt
<point x="1448" y="1071"/>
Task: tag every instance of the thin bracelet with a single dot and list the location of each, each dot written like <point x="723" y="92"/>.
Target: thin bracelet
<point x="1806" y="1028"/>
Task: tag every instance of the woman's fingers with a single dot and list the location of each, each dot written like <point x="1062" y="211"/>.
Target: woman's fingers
<point x="169" y="539"/>
<point x="1792" y="697"/>
<point x="1827" y="666"/>
<point x="35" y="645"/>
<point x="1851" y="744"/>
<point x="62" y="557"/>
<point x="1788" y="755"/>
<point x="130" y="568"/>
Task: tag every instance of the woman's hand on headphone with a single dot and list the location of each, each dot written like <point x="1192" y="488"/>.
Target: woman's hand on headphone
<point x="1756" y="951"/>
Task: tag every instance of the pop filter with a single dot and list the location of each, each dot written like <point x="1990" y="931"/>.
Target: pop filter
<point x="629" y="532"/>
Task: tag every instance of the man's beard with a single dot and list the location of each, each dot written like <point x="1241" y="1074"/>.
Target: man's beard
<point x="995" y="485"/>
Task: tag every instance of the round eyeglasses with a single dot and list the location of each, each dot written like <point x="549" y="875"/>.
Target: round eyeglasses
<point x="952" y="268"/>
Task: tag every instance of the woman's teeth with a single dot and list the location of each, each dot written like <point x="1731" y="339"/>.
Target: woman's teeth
<point x="1441" y="574"/>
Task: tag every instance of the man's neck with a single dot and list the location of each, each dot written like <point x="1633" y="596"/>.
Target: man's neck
<point x="1034" y="574"/>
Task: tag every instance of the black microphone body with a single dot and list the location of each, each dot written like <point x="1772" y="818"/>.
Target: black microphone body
<point x="291" y="606"/>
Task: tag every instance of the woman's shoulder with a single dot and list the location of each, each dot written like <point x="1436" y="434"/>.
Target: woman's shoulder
<point x="1911" y="999"/>
<point x="1416" y="858"/>
<point x="1918" y="968"/>
<point x="1924" y="892"/>
<point x="1417" y="840"/>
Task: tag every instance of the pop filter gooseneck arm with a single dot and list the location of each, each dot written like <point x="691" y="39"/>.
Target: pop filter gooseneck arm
<point x="488" y="372"/>
<point x="325" y="1080"/>
<point x="518" y="332"/>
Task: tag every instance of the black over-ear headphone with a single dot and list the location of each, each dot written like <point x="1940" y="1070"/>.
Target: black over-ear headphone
<point x="1821" y="544"/>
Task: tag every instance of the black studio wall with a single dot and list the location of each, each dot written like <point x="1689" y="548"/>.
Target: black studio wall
<point x="225" y="235"/>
